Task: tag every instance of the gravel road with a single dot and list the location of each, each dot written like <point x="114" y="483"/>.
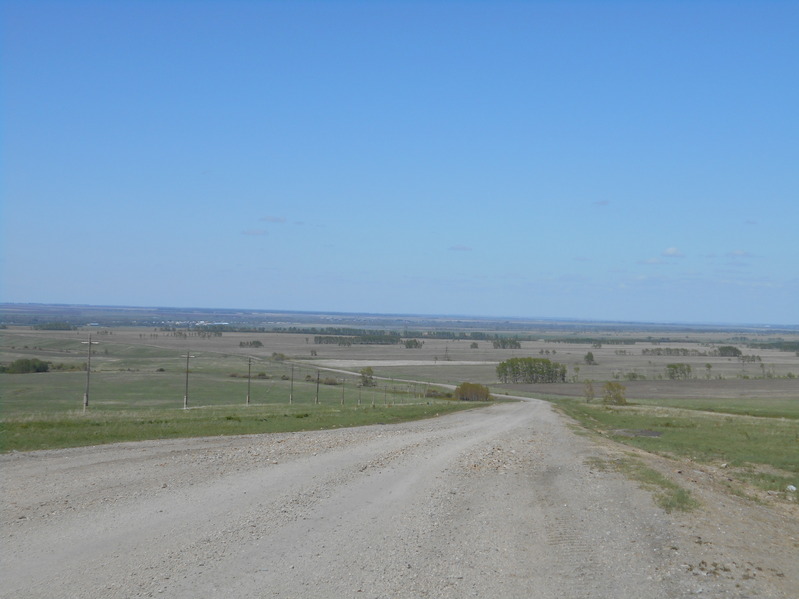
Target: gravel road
<point x="498" y="502"/>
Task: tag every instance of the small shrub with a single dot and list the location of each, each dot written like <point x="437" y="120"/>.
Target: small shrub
<point x="472" y="392"/>
<point x="613" y="393"/>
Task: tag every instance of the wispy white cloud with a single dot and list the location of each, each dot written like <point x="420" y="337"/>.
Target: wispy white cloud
<point x="272" y="219"/>
<point x="651" y="261"/>
<point x="737" y="254"/>
<point x="255" y="232"/>
<point x="672" y="252"/>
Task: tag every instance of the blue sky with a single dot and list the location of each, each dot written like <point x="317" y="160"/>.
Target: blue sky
<point x="600" y="160"/>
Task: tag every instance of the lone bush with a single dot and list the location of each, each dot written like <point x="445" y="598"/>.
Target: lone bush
<point x="614" y="394"/>
<point x="472" y="392"/>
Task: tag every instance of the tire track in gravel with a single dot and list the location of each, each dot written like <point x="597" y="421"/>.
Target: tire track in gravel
<point x="496" y="502"/>
<point x="133" y="544"/>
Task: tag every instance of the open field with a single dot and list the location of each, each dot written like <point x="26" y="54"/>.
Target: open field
<point x="75" y="429"/>
<point x="139" y="374"/>
<point x="714" y="453"/>
<point x="761" y="450"/>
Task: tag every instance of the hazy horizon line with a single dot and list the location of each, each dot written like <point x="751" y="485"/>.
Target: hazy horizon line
<point x="487" y="317"/>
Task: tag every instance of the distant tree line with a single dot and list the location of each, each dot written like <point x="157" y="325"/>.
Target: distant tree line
<point x="531" y="370"/>
<point x="594" y="341"/>
<point x="254" y="343"/>
<point x="54" y="326"/>
<point x="452" y="335"/>
<point x="25" y="366"/>
<point x="377" y="339"/>
<point x="338" y="331"/>
<point x="506" y="343"/>
<point x="779" y="345"/>
<point x="228" y="328"/>
<point x="673" y="351"/>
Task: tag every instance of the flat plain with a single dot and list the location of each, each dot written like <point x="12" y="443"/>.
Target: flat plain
<point x="716" y="453"/>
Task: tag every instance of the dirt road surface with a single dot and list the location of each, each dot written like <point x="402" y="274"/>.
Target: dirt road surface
<point x="499" y="502"/>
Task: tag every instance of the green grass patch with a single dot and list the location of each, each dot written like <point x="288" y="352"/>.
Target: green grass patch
<point x="74" y="429"/>
<point x="761" y="451"/>
<point x="761" y="407"/>
<point x="667" y="494"/>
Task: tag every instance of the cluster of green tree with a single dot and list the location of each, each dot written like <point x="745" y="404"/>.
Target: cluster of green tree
<point x="672" y="351"/>
<point x="531" y="370"/>
<point x="472" y="392"/>
<point x="54" y="326"/>
<point x="413" y="344"/>
<point x="678" y="371"/>
<point x="254" y="343"/>
<point x="749" y="358"/>
<point x="506" y="343"/>
<point x="728" y="351"/>
<point x="356" y="340"/>
<point x="613" y="393"/>
<point x="185" y="334"/>
<point x="26" y="365"/>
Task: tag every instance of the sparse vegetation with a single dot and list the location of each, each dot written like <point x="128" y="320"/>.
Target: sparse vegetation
<point x="367" y="377"/>
<point x="761" y="451"/>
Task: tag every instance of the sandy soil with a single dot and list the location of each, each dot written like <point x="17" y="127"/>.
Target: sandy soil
<point x="498" y="502"/>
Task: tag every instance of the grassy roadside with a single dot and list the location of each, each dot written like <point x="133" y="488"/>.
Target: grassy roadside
<point x="667" y="494"/>
<point x="753" y="450"/>
<point x="58" y="430"/>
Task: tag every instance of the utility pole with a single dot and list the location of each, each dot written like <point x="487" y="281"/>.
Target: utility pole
<point x="88" y="371"/>
<point x="291" y="389"/>
<point x="249" y="375"/>
<point x="186" y="394"/>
